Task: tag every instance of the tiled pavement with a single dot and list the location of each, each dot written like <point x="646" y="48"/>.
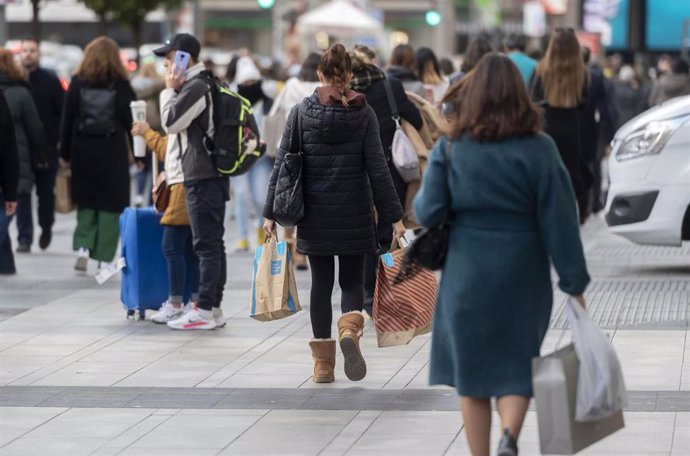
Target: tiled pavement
<point x="76" y="377"/>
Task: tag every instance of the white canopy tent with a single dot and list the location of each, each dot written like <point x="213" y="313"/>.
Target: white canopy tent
<point x="339" y="18"/>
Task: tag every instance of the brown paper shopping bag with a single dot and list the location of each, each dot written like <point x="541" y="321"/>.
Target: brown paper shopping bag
<point x="274" y="290"/>
<point x="63" y="192"/>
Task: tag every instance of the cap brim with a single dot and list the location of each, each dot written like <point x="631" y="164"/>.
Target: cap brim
<point x="163" y="51"/>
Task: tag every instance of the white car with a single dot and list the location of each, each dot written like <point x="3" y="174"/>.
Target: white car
<point x="649" y="196"/>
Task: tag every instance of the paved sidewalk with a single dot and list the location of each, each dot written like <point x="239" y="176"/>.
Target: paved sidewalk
<point x="77" y="377"/>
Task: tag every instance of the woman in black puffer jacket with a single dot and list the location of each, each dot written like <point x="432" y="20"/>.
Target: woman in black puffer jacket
<point x="345" y="175"/>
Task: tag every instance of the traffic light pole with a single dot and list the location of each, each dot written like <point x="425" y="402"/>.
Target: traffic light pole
<point x="278" y="29"/>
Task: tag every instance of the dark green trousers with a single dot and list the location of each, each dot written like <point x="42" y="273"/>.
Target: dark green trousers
<point x="99" y="232"/>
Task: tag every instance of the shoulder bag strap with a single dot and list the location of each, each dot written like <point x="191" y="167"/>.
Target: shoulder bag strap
<point x="210" y="82"/>
<point x="395" y="115"/>
<point x="296" y="139"/>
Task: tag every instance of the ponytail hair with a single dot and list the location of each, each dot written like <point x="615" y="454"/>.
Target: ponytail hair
<point x="336" y="68"/>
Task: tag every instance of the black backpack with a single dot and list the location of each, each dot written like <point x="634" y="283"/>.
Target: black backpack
<point x="97" y="111"/>
<point x="236" y="144"/>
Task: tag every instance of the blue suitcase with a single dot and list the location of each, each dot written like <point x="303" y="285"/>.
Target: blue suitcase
<point x="145" y="275"/>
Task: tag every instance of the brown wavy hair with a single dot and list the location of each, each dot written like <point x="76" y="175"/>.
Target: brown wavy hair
<point x="492" y="102"/>
<point x="102" y="62"/>
<point x="9" y="66"/>
<point x="562" y="71"/>
<point x="336" y="68"/>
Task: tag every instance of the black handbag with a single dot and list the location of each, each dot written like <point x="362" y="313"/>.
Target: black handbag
<point x="430" y="248"/>
<point x="288" y="203"/>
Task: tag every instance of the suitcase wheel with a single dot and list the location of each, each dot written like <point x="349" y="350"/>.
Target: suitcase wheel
<point x="142" y="314"/>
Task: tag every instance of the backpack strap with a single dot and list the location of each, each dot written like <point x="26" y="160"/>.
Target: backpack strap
<point x="395" y="115"/>
<point x="209" y="79"/>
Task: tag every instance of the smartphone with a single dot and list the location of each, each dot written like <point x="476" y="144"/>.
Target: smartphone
<point x="181" y="61"/>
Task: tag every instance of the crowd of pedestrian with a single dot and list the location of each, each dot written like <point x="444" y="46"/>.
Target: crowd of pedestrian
<point x="516" y="170"/>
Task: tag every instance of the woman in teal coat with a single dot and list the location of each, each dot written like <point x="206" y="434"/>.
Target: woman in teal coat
<point x="512" y="209"/>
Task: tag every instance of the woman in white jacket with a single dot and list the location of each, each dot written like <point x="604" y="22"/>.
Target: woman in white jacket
<point x="296" y="89"/>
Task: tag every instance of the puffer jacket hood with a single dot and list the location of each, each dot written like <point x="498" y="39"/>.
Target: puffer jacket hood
<point x="328" y="121"/>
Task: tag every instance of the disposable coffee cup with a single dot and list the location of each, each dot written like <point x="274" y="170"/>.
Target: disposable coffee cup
<point x="139" y="115"/>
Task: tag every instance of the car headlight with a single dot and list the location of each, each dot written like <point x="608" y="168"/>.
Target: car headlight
<point x="648" y="140"/>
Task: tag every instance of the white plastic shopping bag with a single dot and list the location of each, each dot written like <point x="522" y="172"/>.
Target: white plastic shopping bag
<point x="600" y="385"/>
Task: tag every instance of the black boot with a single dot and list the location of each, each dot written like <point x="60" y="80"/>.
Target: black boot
<point x="507" y="446"/>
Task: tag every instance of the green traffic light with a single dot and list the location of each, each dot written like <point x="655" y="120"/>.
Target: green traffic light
<point x="433" y="18"/>
<point x="266" y="4"/>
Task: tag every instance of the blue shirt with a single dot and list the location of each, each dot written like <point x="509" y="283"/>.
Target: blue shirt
<point x="525" y="64"/>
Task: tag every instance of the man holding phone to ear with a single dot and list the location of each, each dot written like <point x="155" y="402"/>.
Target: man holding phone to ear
<point x="187" y="116"/>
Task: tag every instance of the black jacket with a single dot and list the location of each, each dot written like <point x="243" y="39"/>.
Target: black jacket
<point x="565" y="126"/>
<point x="377" y="99"/>
<point x="100" y="164"/>
<point x="598" y="115"/>
<point x="32" y="145"/>
<point x="344" y="175"/>
<point x="49" y="97"/>
<point x="9" y="156"/>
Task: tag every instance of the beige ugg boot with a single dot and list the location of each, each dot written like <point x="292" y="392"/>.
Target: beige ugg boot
<point x="350" y="327"/>
<point x="323" y="352"/>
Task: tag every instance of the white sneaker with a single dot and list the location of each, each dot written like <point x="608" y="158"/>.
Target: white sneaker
<point x="82" y="259"/>
<point x="166" y="313"/>
<point x="221" y="321"/>
<point x="194" y="319"/>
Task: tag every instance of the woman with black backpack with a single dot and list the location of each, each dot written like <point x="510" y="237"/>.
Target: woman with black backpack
<point x="95" y="142"/>
<point x="344" y="176"/>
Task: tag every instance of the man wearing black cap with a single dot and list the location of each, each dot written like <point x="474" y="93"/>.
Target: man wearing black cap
<point x="187" y="116"/>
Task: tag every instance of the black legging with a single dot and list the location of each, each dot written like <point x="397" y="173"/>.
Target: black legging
<point x="351" y="280"/>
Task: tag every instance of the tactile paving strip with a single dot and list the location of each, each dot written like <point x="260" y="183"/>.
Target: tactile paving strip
<point x="619" y="304"/>
<point x="627" y="254"/>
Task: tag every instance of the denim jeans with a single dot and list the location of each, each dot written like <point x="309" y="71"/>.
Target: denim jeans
<point x="252" y="186"/>
<point x="6" y="256"/>
<point x="183" y="264"/>
<point x="206" y="205"/>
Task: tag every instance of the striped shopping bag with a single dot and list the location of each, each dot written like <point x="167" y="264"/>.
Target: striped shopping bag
<point x="402" y="309"/>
